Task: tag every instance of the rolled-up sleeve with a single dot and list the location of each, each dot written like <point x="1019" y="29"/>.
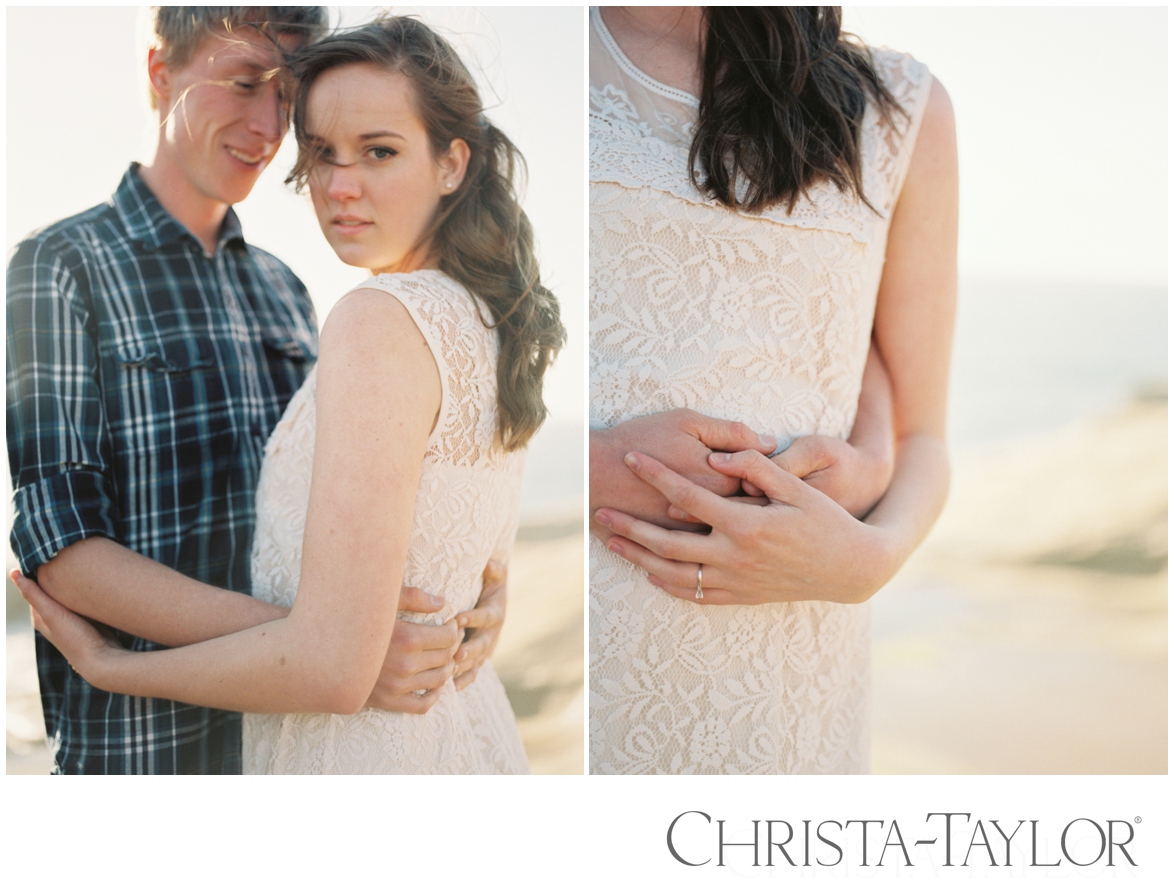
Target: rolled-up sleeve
<point x="58" y="444"/>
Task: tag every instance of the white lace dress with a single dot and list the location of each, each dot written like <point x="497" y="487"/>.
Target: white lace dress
<point x="763" y="319"/>
<point x="466" y="512"/>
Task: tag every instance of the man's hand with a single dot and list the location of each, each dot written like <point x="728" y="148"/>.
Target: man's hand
<point x="855" y="473"/>
<point x="681" y="440"/>
<point x="419" y="658"/>
<point x="482" y="625"/>
<point x="850" y="476"/>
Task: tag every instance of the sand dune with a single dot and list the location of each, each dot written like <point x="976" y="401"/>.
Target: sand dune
<point x="540" y="656"/>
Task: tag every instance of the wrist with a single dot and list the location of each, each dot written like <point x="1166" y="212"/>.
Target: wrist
<point x="102" y="669"/>
<point x="876" y="474"/>
<point x="882" y="557"/>
<point x="595" y="445"/>
<point x="601" y="464"/>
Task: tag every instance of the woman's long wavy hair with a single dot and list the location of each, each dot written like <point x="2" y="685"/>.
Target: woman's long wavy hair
<point x="783" y="93"/>
<point x="480" y="235"/>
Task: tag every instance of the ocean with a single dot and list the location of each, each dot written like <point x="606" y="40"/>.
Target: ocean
<point x="1033" y="356"/>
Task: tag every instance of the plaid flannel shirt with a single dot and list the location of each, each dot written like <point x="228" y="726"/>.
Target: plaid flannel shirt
<point x="144" y="378"/>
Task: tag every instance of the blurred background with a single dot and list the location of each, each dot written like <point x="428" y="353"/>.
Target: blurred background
<point x="1029" y="633"/>
<point x="77" y="114"/>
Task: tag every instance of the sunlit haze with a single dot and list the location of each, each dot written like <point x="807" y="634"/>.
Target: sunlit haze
<point x="77" y="114"/>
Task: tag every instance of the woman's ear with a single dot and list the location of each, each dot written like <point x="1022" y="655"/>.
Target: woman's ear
<point x="159" y="75"/>
<point x="453" y="165"/>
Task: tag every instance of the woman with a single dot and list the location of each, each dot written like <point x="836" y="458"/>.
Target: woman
<point x="764" y="194"/>
<point x="412" y="426"/>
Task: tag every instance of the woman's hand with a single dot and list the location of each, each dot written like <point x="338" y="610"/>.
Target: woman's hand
<point x="800" y="546"/>
<point x="84" y="646"/>
<point x="419" y="659"/>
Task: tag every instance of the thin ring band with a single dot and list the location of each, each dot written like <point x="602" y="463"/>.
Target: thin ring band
<point x="700" y="593"/>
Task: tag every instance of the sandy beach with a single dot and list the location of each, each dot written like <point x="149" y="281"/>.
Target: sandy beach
<point x="1029" y="633"/>
<point x="539" y="657"/>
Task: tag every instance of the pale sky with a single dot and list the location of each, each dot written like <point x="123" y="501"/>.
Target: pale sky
<point x="77" y="114"/>
<point x="1062" y="133"/>
<point x="1061" y="119"/>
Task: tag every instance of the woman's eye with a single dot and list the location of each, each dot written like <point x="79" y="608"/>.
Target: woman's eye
<point x="245" y="85"/>
<point x="382" y="153"/>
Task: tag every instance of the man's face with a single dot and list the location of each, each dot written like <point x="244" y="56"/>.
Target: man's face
<point x="223" y="114"/>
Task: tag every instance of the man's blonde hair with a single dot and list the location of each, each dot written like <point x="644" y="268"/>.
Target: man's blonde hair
<point x="176" y="31"/>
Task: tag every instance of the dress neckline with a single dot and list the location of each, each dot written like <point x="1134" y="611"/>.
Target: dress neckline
<point x="631" y="70"/>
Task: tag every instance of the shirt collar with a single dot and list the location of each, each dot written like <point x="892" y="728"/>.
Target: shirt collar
<point x="148" y="222"/>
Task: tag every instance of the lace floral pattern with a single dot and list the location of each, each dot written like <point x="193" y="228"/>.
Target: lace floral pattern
<point x="466" y="513"/>
<point x="764" y="319"/>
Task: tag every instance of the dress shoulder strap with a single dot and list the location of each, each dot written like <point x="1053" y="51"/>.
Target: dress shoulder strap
<point x="909" y="81"/>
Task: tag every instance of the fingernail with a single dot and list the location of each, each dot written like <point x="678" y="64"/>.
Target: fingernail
<point x="462" y="621"/>
<point x="768" y="440"/>
<point x="631" y="461"/>
<point x="655" y="581"/>
<point x="719" y="457"/>
<point x="436" y="600"/>
<point x="603" y="518"/>
<point x="614" y="547"/>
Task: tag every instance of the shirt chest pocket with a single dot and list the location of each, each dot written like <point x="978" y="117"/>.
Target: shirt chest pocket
<point x="164" y="354"/>
<point x="288" y="343"/>
<point x="167" y="393"/>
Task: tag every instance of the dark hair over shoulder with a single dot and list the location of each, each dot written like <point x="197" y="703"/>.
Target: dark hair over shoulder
<point x="782" y="101"/>
<point x="481" y="236"/>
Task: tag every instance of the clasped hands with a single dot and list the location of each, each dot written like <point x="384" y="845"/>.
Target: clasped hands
<point x="422" y="657"/>
<point x="803" y="541"/>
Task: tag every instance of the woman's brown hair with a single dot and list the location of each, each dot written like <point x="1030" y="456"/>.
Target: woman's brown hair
<point x="783" y="94"/>
<point x="480" y="235"/>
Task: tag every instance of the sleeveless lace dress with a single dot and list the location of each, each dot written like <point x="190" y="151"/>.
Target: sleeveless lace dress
<point x="466" y="513"/>
<point x="764" y="319"/>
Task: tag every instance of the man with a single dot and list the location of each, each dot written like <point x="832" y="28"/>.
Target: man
<point x="150" y="353"/>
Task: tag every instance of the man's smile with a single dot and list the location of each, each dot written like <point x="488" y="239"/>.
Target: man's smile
<point x="249" y="159"/>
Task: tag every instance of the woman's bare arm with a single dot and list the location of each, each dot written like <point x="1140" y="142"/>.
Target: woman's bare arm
<point x="378" y="396"/>
<point x="103" y="580"/>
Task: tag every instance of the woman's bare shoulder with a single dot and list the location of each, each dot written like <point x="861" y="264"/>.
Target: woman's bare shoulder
<point x="370" y="334"/>
<point x="938" y="123"/>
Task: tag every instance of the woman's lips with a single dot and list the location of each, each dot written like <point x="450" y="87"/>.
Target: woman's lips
<point x="348" y="225"/>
